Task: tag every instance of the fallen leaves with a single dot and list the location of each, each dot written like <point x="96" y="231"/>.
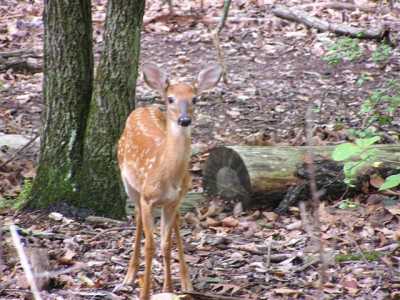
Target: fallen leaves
<point x="67" y="258"/>
<point x="351" y="285"/>
<point x="230" y="222"/>
<point x="247" y="254"/>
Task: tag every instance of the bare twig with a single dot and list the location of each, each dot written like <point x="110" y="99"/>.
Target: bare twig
<point x="2" y="264"/>
<point x="109" y="230"/>
<point x="39" y="234"/>
<point x="269" y="246"/>
<point x="19" y="151"/>
<point x="220" y="56"/>
<point x="24" y="262"/>
<point x="216" y="41"/>
<point x="315" y="199"/>
<point x="101" y="221"/>
<point x="227" y="4"/>
<point x="52" y="274"/>
<point x="307" y="225"/>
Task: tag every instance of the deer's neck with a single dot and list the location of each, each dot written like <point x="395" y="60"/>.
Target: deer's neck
<point x="177" y="151"/>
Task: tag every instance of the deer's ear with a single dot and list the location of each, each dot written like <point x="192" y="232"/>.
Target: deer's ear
<point x="155" y="78"/>
<point x="208" y="78"/>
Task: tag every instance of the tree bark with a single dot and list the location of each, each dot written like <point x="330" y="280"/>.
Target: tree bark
<point x="68" y="74"/>
<point x="112" y="101"/>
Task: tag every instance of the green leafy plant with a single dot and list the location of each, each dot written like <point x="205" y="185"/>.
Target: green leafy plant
<point x="363" y="78"/>
<point x="22" y="198"/>
<point x="381" y="53"/>
<point x="367" y="255"/>
<point x="344" y="48"/>
<point x="348" y="204"/>
<point x="381" y="105"/>
<point x="358" y="156"/>
<point x="359" y="133"/>
<point x="390" y="182"/>
<point x="18" y="202"/>
<point x="378" y="108"/>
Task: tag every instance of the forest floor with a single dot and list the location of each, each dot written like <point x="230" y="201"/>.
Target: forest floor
<point x="276" y="70"/>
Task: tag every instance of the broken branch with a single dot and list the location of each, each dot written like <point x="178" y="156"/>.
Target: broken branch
<point x="299" y="16"/>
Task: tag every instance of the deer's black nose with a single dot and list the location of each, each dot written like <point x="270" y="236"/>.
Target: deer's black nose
<point x="184" y="121"/>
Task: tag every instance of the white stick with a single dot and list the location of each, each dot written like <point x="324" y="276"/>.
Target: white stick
<point x="24" y="262"/>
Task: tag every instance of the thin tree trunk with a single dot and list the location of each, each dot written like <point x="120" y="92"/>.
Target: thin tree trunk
<point x="68" y="75"/>
<point x="112" y="101"/>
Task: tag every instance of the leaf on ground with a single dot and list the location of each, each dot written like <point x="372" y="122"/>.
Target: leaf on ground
<point x="351" y="285"/>
<point x="165" y="296"/>
<point x="67" y="258"/>
<point x="270" y="216"/>
<point x="212" y="222"/>
<point x="394" y="210"/>
<point x="86" y="281"/>
<point x="224" y="289"/>
<point x="287" y="292"/>
<point x="230" y="222"/>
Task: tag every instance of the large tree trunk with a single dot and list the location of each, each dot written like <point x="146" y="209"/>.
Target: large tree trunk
<point x="113" y="99"/>
<point x="68" y="73"/>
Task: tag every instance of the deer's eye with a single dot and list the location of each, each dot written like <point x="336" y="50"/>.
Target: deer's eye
<point x="194" y="100"/>
<point x="171" y="100"/>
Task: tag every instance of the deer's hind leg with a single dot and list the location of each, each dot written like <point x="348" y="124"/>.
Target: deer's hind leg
<point x="133" y="265"/>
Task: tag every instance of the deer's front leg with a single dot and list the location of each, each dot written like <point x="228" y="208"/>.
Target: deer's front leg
<point x="185" y="277"/>
<point x="149" y="247"/>
<point x="167" y="223"/>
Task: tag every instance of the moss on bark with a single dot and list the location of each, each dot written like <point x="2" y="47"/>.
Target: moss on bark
<point x="68" y="76"/>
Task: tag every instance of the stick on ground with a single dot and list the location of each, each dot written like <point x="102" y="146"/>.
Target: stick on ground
<point x="299" y="16"/>
<point x="24" y="262"/>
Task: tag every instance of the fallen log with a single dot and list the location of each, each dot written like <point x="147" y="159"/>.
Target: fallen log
<point x="21" y="61"/>
<point x="189" y="203"/>
<point x="263" y="175"/>
<point x="368" y="8"/>
<point x="299" y="16"/>
<point x="29" y="65"/>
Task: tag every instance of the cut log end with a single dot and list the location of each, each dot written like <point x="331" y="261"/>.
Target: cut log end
<point x="226" y="176"/>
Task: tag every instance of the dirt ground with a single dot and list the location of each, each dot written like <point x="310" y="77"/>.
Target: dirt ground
<point x="275" y="72"/>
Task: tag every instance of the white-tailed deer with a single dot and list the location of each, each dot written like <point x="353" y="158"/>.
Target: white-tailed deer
<point x="153" y="155"/>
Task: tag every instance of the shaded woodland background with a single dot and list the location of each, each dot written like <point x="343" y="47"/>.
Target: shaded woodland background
<point x="276" y="68"/>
